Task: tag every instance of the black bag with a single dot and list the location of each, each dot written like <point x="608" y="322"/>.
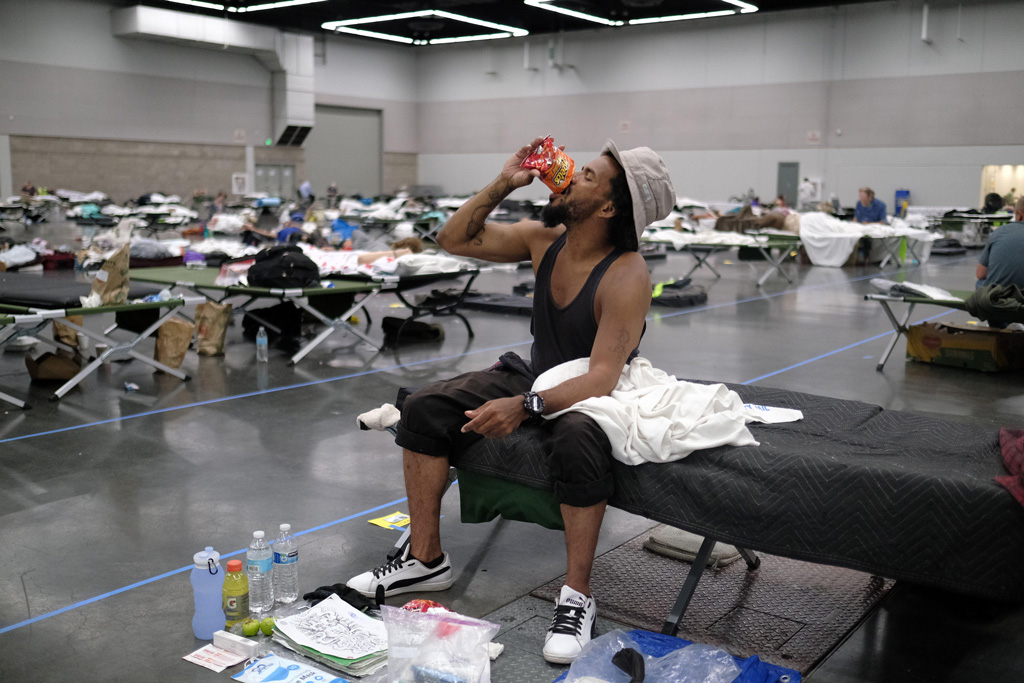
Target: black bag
<point x="282" y="321"/>
<point x="283" y="266"/>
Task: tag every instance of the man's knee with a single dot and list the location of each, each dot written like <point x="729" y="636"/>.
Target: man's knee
<point x="581" y="461"/>
<point x="426" y="423"/>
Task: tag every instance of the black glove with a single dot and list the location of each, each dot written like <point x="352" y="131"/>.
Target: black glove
<point x="352" y="597"/>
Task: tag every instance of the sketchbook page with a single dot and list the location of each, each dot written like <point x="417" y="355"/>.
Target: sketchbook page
<point x="335" y="628"/>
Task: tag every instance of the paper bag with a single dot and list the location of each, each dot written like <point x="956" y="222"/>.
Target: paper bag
<point x="67" y="335"/>
<point x="172" y="342"/>
<point x="211" y="326"/>
<point x="51" y="367"/>
<point x="111" y="282"/>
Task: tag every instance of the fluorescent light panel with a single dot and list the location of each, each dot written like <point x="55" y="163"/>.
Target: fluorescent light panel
<point x="745" y="8"/>
<point x="345" y="26"/>
<point x="198" y="3"/>
<point x="544" y="4"/>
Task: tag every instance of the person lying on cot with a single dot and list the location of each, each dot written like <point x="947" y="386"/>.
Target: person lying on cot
<point x="592" y="295"/>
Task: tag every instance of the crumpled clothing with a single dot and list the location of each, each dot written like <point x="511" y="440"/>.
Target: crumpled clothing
<point x="18" y="255"/>
<point x="681" y="239"/>
<point x="652" y="417"/>
<point x="899" y="288"/>
<point x="999" y="304"/>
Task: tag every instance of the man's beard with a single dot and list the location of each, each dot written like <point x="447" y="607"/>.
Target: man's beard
<point x="566" y="212"/>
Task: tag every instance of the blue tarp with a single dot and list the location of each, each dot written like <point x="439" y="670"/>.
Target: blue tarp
<point x="752" y="669"/>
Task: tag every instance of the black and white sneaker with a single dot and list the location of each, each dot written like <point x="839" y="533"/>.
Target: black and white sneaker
<point x="571" y="628"/>
<point x="404" y="574"/>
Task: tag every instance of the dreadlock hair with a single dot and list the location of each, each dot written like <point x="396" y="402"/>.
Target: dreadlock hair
<point x="621" y="226"/>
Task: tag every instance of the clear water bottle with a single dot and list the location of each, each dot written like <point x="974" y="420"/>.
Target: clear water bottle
<point x="207" y="581"/>
<point x="286" y="566"/>
<point x="262" y="348"/>
<point x="259" y="567"/>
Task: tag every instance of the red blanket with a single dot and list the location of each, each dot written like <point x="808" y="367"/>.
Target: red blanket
<point x="1012" y="443"/>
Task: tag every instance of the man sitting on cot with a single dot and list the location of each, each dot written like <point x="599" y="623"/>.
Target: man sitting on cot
<point x="592" y="295"/>
<point x="1002" y="260"/>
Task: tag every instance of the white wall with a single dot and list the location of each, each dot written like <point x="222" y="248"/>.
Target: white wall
<point x="725" y="100"/>
<point x="64" y="74"/>
<point x="372" y="75"/>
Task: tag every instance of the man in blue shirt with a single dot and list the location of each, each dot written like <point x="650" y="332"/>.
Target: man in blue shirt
<point x="1002" y="260"/>
<point x="869" y="209"/>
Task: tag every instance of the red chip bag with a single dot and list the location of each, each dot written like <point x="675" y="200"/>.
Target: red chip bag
<point x="555" y="166"/>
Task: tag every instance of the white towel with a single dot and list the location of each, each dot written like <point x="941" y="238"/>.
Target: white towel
<point x="652" y="417"/>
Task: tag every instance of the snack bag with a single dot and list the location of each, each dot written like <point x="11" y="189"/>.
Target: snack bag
<point x="555" y="166"/>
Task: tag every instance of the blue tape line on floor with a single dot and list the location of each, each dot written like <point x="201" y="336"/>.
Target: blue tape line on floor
<point x="301" y="385"/>
<point x="180" y="570"/>
<point x="840" y="350"/>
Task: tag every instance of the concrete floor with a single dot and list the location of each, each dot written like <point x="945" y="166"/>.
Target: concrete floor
<point x="107" y="494"/>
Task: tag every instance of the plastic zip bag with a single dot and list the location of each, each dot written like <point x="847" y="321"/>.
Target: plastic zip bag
<point x="437" y="647"/>
<point x="692" y="664"/>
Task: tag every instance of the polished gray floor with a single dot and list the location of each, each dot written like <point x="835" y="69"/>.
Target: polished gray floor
<point x="107" y="494"/>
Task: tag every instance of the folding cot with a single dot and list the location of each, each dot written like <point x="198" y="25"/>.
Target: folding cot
<point x="900" y="325"/>
<point x="892" y="493"/>
<point x="776" y="249"/>
<point x="443" y="306"/>
<point x="313" y="300"/>
<point x="29" y="302"/>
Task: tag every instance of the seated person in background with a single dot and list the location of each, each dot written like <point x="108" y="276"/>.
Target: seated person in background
<point x="332" y="196"/>
<point x="28" y="189"/>
<point x="1009" y="198"/>
<point x="869" y="209"/>
<point x="1002" y="260"/>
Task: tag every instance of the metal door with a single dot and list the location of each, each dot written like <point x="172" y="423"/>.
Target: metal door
<point x="276" y="180"/>
<point x="789" y="180"/>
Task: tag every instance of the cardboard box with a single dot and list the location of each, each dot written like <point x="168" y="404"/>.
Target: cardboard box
<point x="966" y="346"/>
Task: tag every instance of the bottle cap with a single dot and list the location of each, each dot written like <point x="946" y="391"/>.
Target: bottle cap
<point x="286" y="527"/>
<point x="257" y="534"/>
<point x="234" y="565"/>
<point x="203" y="557"/>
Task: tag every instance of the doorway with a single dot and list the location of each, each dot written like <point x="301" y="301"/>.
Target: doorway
<point x="345" y="147"/>
<point x="788" y="181"/>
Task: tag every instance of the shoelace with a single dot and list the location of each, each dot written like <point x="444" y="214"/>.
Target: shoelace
<point x="568" y="620"/>
<point x="391" y="566"/>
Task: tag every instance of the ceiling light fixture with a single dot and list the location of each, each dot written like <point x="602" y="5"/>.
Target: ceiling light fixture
<point x="345" y="26"/>
<point x="744" y="8"/>
<point x="272" y="5"/>
<point x="546" y="4"/>
<point x="198" y="3"/>
<point x="681" y="17"/>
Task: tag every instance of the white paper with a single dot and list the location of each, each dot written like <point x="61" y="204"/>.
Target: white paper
<point x="102" y="275"/>
<point x="335" y="628"/>
<point x="214" y="658"/>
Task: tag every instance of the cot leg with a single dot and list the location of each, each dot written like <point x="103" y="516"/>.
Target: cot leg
<point x="752" y="560"/>
<point x="776" y="265"/>
<point x="900" y="329"/>
<point x="16" y="401"/>
<point x="671" y="625"/>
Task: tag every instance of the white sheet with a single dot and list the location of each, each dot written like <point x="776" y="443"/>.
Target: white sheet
<point x="652" y="417"/>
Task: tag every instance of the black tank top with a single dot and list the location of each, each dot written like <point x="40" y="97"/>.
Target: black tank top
<point x="564" y="334"/>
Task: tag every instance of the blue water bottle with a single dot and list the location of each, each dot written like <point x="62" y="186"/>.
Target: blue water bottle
<point x="207" y="583"/>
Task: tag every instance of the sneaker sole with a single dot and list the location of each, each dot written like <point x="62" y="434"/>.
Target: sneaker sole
<point x="425" y="587"/>
<point x="555" y="659"/>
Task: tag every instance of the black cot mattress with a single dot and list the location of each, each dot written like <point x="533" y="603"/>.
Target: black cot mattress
<point x="40" y="291"/>
<point x="892" y="493"/>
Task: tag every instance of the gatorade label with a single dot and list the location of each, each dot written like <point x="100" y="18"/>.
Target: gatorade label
<point x="290" y="558"/>
<point x="253" y="565"/>
<point x="236" y="607"/>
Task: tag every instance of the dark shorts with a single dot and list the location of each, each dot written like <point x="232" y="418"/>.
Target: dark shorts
<point x="579" y="451"/>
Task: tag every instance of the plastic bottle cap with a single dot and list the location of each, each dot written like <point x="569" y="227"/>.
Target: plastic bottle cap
<point x="202" y="558"/>
<point x="257" y="534"/>
<point x="286" y="527"/>
<point x="234" y="565"/>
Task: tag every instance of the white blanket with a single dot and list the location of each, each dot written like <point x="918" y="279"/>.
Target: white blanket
<point x="681" y="239"/>
<point x="830" y="241"/>
<point x="652" y="417"/>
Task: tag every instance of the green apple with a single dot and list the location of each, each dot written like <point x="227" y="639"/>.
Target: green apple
<point x="267" y="626"/>
<point x="250" y="627"/>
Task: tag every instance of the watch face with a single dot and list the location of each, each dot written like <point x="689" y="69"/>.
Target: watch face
<point x="534" y="404"/>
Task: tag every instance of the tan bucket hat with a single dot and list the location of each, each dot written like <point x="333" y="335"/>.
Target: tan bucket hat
<point x="649" y="184"/>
